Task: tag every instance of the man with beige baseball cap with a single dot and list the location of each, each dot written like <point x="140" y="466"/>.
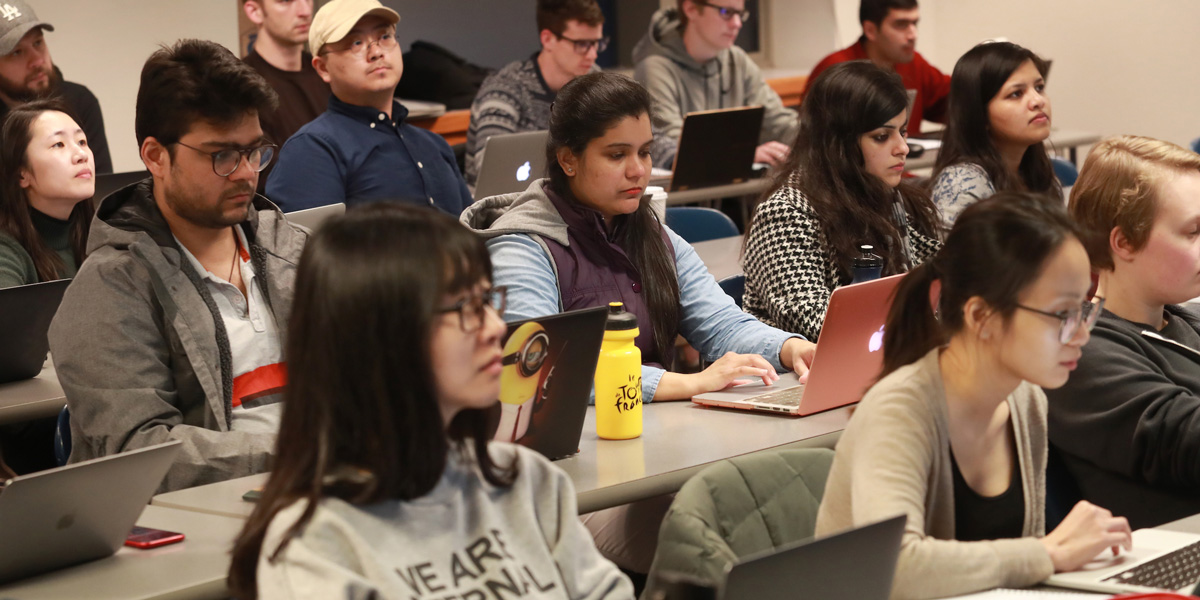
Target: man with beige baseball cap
<point x="361" y="149"/>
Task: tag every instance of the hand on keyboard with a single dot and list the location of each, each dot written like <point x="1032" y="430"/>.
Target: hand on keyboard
<point x="729" y="369"/>
<point x="1085" y="532"/>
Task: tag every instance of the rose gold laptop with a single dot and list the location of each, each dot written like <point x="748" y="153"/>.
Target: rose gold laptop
<point x="848" y="360"/>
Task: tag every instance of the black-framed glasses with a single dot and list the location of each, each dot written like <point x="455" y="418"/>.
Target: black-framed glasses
<point x="225" y="162"/>
<point x="356" y="44"/>
<point x="585" y="46"/>
<point x="472" y="310"/>
<point x="1085" y="316"/>
<point x="727" y="12"/>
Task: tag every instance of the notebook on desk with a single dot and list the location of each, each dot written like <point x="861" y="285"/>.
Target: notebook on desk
<point x="716" y="147"/>
<point x="25" y="315"/>
<point x="549" y="365"/>
<point x="1160" y="560"/>
<point x="510" y="162"/>
<point x="853" y="565"/>
<point x="848" y="360"/>
<point x="61" y="517"/>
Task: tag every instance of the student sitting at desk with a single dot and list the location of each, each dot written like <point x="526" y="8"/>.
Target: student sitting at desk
<point x="999" y="119"/>
<point x="47" y="179"/>
<point x="842" y="186"/>
<point x="954" y="433"/>
<point x="1128" y="422"/>
<point x="385" y="483"/>
<point x="587" y="236"/>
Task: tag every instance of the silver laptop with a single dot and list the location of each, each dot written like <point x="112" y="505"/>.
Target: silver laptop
<point x="1160" y="560"/>
<point x="313" y="217"/>
<point x="77" y="513"/>
<point x="853" y="565"/>
<point x="510" y="162"/>
<point x="848" y="360"/>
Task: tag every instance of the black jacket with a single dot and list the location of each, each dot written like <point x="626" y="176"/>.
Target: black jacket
<point x="1128" y="421"/>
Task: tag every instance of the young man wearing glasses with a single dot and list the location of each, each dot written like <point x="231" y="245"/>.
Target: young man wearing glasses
<point x="173" y="328"/>
<point x="889" y="39"/>
<point x="689" y="63"/>
<point x="361" y="149"/>
<point x="518" y="97"/>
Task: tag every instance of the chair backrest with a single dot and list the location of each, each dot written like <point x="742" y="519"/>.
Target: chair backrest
<point x="697" y="224"/>
<point x="62" y="437"/>
<point x="741" y="507"/>
<point x="1064" y="171"/>
<point x="735" y="287"/>
<point x="1196" y="145"/>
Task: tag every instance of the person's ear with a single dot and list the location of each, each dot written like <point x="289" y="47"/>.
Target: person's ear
<point x="321" y="68"/>
<point x="156" y="157"/>
<point x="870" y="31"/>
<point x="977" y="318"/>
<point x="1120" y="246"/>
<point x="692" y="10"/>
<point x="568" y="161"/>
<point x="26" y="178"/>
<point x="254" y="12"/>
<point x="547" y="37"/>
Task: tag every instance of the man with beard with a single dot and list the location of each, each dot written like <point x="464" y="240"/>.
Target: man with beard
<point x="361" y="149"/>
<point x="28" y="73"/>
<point x="173" y="328"/>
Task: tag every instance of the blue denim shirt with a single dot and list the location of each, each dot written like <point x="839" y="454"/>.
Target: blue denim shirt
<point x="709" y="320"/>
<point x="356" y="154"/>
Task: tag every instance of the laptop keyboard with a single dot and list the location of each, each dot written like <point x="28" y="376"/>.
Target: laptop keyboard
<point x="1171" y="571"/>
<point x="784" y="400"/>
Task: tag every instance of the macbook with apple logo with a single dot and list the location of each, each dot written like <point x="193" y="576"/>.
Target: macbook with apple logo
<point x="511" y="162"/>
<point x="849" y="358"/>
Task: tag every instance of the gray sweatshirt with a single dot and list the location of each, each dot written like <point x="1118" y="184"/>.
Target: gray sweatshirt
<point x="679" y="85"/>
<point x="465" y="540"/>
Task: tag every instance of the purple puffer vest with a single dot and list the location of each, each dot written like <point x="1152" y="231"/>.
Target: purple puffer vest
<point x="593" y="271"/>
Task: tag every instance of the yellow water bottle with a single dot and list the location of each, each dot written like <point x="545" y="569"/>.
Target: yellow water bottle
<point x="619" y="378"/>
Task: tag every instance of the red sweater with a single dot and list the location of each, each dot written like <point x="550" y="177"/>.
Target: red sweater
<point x="931" y="84"/>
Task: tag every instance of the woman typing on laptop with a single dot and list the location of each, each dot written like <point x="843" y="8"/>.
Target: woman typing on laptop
<point x="48" y="179"/>
<point x="384" y="483"/>
<point x="842" y="187"/>
<point x="954" y="433"/>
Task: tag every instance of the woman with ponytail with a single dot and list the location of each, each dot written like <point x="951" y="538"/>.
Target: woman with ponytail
<point x="953" y="435"/>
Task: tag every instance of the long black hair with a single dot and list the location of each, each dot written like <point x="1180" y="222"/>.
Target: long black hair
<point x="978" y="77"/>
<point x="845" y="102"/>
<point x="361" y="397"/>
<point x="15" y="217"/>
<point x="584" y="110"/>
<point x="997" y="247"/>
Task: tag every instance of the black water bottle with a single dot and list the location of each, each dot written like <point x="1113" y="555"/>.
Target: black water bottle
<point x="868" y="266"/>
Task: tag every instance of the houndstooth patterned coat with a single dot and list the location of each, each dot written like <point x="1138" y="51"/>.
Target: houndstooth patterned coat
<point x="790" y="268"/>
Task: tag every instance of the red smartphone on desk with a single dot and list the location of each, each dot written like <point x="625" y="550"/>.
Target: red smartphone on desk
<point x="146" y="538"/>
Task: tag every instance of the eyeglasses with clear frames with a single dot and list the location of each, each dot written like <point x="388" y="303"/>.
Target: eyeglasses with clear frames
<point x="356" y="44"/>
<point x="727" y="12"/>
<point x="1073" y="319"/>
<point x="472" y="310"/>
<point x="225" y="162"/>
<point x="585" y="46"/>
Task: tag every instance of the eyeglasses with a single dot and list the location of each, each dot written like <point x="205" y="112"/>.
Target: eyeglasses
<point x="225" y="162"/>
<point x="358" y="43"/>
<point x="472" y="310"/>
<point x="1085" y="316"/>
<point x="585" y="46"/>
<point x="727" y="12"/>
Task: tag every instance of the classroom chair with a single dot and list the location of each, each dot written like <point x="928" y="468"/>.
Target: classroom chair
<point x="698" y="224"/>
<point x="740" y="507"/>
<point x="1065" y="171"/>
<point x="735" y="286"/>
<point x="62" y="437"/>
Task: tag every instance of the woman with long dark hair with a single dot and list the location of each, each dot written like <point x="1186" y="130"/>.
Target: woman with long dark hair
<point x="842" y="187"/>
<point x="384" y="483"/>
<point x="996" y="126"/>
<point x="954" y="433"/>
<point x="47" y="180"/>
<point x="587" y="235"/>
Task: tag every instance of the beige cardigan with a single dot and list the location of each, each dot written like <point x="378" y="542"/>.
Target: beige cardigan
<point x="894" y="458"/>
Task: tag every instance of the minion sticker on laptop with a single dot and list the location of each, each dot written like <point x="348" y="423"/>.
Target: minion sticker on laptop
<point x="523" y="379"/>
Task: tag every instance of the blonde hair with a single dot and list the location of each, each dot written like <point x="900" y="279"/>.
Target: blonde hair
<point x="1118" y="187"/>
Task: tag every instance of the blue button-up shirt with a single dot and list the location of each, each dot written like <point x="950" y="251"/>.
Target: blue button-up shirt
<point x="356" y="154"/>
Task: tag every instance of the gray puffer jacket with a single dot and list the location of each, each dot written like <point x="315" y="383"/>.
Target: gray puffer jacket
<point x="141" y="349"/>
